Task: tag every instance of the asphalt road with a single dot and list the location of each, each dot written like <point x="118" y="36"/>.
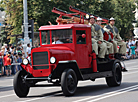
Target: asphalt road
<point x="87" y="91"/>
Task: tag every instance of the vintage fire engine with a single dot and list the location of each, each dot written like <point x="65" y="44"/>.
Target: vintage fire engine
<point x="64" y="57"/>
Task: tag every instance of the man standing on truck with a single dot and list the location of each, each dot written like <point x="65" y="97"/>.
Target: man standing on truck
<point x="110" y="49"/>
<point x="117" y="40"/>
<point x="97" y="39"/>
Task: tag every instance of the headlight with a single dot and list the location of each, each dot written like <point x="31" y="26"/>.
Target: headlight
<point x="52" y="60"/>
<point x="25" y="61"/>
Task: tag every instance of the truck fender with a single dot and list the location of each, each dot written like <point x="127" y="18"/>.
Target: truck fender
<point x="62" y="65"/>
<point x="117" y="61"/>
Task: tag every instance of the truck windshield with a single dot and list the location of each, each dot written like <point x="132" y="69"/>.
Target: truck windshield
<point x="58" y="36"/>
<point x="62" y="36"/>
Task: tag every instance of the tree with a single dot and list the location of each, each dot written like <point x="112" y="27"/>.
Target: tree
<point x="3" y="34"/>
<point x="14" y="16"/>
<point x="40" y="12"/>
<point x="1" y="9"/>
<point x="124" y="15"/>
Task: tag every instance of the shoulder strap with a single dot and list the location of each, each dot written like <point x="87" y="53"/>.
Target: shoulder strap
<point x="116" y="30"/>
<point x="102" y="30"/>
<point x="97" y="27"/>
<point x="108" y="27"/>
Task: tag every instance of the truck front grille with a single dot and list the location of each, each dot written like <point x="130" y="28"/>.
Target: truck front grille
<point x="40" y="58"/>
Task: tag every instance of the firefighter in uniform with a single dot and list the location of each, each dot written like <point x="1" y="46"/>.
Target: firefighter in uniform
<point x="110" y="49"/>
<point x="97" y="39"/>
<point x="117" y="40"/>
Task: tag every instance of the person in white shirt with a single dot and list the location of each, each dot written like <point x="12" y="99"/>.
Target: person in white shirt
<point x="133" y="41"/>
<point x="130" y="43"/>
<point x="28" y="49"/>
<point x="10" y="46"/>
<point x="56" y="40"/>
<point x="5" y="48"/>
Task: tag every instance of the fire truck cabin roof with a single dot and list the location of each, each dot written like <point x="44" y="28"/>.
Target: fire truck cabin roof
<point x="63" y="26"/>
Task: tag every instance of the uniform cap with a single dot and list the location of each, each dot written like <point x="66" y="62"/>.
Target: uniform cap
<point x="91" y="16"/>
<point x="99" y="19"/>
<point x="111" y="19"/>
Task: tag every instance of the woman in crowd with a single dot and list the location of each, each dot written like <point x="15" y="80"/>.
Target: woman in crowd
<point x="136" y="49"/>
<point x="8" y="66"/>
<point x="0" y="64"/>
<point x="133" y="51"/>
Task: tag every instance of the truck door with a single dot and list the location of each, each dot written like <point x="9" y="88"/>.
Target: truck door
<point x="81" y="49"/>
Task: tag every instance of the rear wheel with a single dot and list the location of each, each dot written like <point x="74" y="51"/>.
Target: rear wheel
<point x="115" y="80"/>
<point x="20" y="87"/>
<point x="69" y="82"/>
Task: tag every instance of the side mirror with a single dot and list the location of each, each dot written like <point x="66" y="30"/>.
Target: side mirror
<point x="83" y="35"/>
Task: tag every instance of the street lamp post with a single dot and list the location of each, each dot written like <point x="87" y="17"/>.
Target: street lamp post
<point x="26" y="38"/>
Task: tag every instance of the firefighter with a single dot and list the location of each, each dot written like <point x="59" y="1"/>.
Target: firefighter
<point x="117" y="40"/>
<point x="110" y="49"/>
<point x="97" y="39"/>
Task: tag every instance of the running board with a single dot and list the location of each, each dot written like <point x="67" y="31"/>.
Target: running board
<point x="38" y="78"/>
<point x="97" y="75"/>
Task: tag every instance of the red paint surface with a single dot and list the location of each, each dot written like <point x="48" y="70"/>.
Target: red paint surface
<point x="64" y="52"/>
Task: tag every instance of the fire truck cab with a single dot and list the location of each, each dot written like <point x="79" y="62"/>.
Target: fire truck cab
<point x="65" y="55"/>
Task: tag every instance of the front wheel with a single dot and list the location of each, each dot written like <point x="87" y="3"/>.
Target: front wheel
<point x="69" y="82"/>
<point x="20" y="87"/>
<point x="115" y="80"/>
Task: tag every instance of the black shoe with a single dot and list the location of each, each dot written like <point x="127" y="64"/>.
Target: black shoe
<point x="103" y="60"/>
<point x="116" y="56"/>
<point x="124" y="70"/>
<point x="107" y="57"/>
<point x="120" y="57"/>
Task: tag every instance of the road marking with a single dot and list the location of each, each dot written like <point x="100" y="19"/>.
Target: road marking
<point x="134" y="68"/>
<point x="113" y="95"/>
<point x="33" y="99"/>
<point x="84" y="99"/>
<point x="130" y="73"/>
<point x="54" y="87"/>
<point x="36" y="98"/>
<point x="128" y="63"/>
<point x="58" y="93"/>
<point x="7" y="95"/>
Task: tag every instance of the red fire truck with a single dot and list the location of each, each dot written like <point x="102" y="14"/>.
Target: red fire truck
<point x="65" y="55"/>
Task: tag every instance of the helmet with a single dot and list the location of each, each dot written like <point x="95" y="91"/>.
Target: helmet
<point x="99" y="19"/>
<point x="111" y="19"/>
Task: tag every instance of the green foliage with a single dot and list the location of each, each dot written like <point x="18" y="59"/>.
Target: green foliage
<point x="1" y="9"/>
<point x="136" y="24"/>
<point x="124" y="15"/>
<point x="3" y="35"/>
<point x="40" y="11"/>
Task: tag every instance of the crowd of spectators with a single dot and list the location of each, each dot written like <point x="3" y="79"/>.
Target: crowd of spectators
<point x="131" y="48"/>
<point x="10" y="57"/>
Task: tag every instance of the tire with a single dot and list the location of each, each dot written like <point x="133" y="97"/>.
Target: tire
<point x="69" y="82"/>
<point x="20" y="87"/>
<point x="116" y="79"/>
